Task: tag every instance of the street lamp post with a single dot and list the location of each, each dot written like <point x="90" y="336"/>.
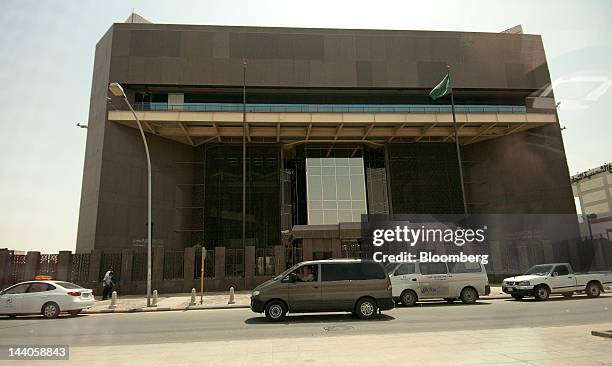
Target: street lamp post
<point x="117" y="91"/>
<point x="589" y="217"/>
<point x="244" y="67"/>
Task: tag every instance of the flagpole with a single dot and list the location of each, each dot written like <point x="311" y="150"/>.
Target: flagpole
<point x="452" y="94"/>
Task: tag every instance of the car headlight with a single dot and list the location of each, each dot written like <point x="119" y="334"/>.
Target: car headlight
<point x="524" y="283"/>
<point x="255" y="293"/>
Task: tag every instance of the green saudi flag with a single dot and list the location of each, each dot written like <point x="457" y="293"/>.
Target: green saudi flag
<point x="442" y="89"/>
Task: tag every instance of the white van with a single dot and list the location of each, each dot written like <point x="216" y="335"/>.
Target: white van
<point x="414" y="281"/>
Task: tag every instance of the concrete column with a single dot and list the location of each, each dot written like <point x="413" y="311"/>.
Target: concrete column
<point x="219" y="264"/>
<point x="127" y="259"/>
<point x="31" y="267"/>
<point x="306" y="249"/>
<point x="4" y="267"/>
<point x="279" y="259"/>
<point x="157" y="274"/>
<point x="249" y="267"/>
<point x="188" y="268"/>
<point x="64" y="260"/>
<point x="95" y="259"/>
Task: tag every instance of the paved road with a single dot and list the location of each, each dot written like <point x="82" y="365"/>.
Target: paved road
<point x="235" y="324"/>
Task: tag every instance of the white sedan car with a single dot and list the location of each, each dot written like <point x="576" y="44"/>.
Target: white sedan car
<point x="48" y="298"/>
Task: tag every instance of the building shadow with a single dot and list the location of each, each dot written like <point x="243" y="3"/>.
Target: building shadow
<point x="319" y="318"/>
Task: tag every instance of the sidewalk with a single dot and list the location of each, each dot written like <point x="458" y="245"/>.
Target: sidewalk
<point x="559" y="346"/>
<point x="212" y="300"/>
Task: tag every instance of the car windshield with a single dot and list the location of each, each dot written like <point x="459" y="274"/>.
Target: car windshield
<point x="540" y="270"/>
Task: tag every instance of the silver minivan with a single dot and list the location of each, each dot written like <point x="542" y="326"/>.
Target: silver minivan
<point x="361" y="287"/>
<point x="414" y="281"/>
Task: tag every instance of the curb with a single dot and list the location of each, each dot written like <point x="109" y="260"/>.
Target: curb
<point x="156" y="309"/>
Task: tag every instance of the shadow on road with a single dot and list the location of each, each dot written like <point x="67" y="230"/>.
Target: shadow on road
<point x="319" y="318"/>
<point x="557" y="298"/>
<point x="433" y="304"/>
<point x="40" y="317"/>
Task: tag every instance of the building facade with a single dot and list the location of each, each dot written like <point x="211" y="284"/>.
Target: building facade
<point x="338" y="124"/>
<point x="593" y="190"/>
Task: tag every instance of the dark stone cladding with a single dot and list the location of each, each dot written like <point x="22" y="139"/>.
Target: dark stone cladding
<point x="113" y="198"/>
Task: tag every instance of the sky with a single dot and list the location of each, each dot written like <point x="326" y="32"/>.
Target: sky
<point x="46" y="63"/>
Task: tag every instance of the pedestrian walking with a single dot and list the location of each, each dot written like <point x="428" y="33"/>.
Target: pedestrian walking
<point x="107" y="283"/>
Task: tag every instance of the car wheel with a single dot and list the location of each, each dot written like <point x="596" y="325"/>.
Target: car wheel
<point x="50" y="310"/>
<point x="449" y="300"/>
<point x="276" y="311"/>
<point x="541" y="293"/>
<point x="469" y="295"/>
<point x="593" y="289"/>
<point x="74" y="313"/>
<point x="568" y="295"/>
<point x="366" y="308"/>
<point x="518" y="297"/>
<point x="408" y="298"/>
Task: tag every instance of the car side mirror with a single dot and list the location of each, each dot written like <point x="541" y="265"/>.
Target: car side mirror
<point x="555" y="274"/>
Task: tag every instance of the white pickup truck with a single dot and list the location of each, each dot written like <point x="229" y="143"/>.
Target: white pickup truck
<point x="556" y="278"/>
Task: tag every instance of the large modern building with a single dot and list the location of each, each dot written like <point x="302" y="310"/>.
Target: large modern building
<point x="338" y="124"/>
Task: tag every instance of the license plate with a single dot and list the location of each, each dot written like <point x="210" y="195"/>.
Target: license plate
<point x="510" y="289"/>
<point x="86" y="295"/>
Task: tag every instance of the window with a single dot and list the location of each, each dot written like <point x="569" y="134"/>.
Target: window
<point x="465" y="267"/>
<point x="367" y="271"/>
<point x="335" y="272"/>
<point x="433" y="268"/>
<point x="19" y="289"/>
<point x="307" y="273"/>
<point x="69" y="285"/>
<point x="561" y="270"/>
<point x="40" y="287"/>
<point x="404" y="269"/>
<point x="335" y="190"/>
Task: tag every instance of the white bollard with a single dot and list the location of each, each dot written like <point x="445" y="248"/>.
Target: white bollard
<point x="113" y="303"/>
<point x="192" y="302"/>
<point x="154" y="302"/>
<point x="231" y="299"/>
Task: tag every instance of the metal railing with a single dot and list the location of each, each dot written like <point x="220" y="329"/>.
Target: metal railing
<point x="329" y="108"/>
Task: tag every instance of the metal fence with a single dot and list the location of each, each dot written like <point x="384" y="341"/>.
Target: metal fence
<point x="173" y="265"/>
<point x="139" y="266"/>
<point x="110" y="260"/>
<point x="17" y="263"/>
<point x="79" y="267"/>
<point x="47" y="265"/>
<point x="234" y="262"/>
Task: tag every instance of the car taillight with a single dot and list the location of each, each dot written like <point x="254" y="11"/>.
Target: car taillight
<point x="74" y="293"/>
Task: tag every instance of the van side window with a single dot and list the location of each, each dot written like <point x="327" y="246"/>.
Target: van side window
<point x="464" y="267"/>
<point x="561" y="270"/>
<point x="433" y="268"/>
<point x="367" y="271"/>
<point x="404" y="269"/>
<point x="335" y="272"/>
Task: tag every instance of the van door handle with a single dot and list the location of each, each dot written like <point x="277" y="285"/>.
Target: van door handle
<point x="414" y="279"/>
<point x="315" y="286"/>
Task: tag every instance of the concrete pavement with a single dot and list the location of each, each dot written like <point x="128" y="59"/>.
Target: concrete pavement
<point x="559" y="346"/>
